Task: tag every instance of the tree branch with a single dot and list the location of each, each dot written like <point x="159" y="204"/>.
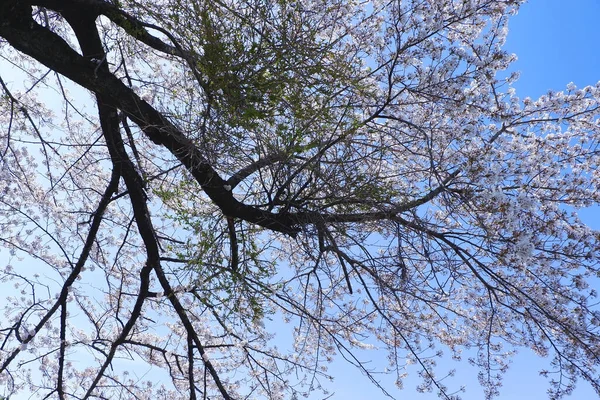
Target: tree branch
<point x="251" y="168"/>
<point x="52" y="51"/>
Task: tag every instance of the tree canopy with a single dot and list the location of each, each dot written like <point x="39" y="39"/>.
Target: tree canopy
<point x="183" y="181"/>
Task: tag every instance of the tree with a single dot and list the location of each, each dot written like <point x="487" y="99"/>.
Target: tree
<point x="362" y="171"/>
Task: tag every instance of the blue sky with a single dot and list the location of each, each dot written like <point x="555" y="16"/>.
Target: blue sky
<point x="557" y="42"/>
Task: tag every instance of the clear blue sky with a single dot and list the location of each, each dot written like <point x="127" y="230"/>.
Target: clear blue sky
<point x="557" y="42"/>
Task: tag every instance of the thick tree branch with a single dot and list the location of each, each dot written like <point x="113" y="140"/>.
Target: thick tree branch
<point x="233" y="244"/>
<point x="133" y="26"/>
<point x="251" y="168"/>
<point x="90" y="43"/>
<point x="52" y="51"/>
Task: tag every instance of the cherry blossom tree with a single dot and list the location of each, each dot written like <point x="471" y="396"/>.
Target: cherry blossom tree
<point x="360" y="173"/>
